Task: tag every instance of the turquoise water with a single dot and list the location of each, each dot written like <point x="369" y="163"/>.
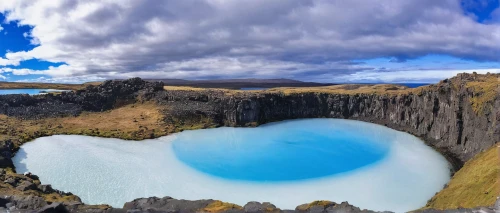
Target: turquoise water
<point x="27" y="91"/>
<point x="286" y="163"/>
<point x="292" y="150"/>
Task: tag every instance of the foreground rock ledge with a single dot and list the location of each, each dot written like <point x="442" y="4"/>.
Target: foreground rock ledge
<point x="171" y="205"/>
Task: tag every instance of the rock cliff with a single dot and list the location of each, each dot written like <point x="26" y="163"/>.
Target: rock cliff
<point x="451" y="116"/>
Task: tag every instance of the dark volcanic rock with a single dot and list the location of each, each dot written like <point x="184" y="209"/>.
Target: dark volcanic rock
<point x="29" y="202"/>
<point x="46" y="188"/>
<point x="36" y="107"/>
<point x="93" y="98"/>
<point x="53" y="208"/>
<point x="166" y="204"/>
<point x="256" y="207"/>
<point x="6" y="149"/>
<point x="104" y="96"/>
<point x="26" y="185"/>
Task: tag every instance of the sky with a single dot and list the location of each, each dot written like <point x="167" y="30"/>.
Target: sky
<point x="337" y="41"/>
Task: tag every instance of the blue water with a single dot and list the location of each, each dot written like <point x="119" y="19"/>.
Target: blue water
<point x="285" y="163"/>
<point x="292" y="150"/>
<point x="27" y="91"/>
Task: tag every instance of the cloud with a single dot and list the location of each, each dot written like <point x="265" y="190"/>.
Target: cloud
<point x="1" y="28"/>
<point x="246" y="38"/>
<point x="417" y="76"/>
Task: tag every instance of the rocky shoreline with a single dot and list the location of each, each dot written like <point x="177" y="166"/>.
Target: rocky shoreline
<point x="456" y="118"/>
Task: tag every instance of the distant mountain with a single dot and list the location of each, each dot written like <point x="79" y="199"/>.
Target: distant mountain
<point x="239" y="83"/>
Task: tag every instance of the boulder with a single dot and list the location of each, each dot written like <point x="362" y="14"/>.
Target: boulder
<point x="11" y="181"/>
<point x="53" y="208"/>
<point x="46" y="188"/>
<point x="26" y="185"/>
<point x="256" y="207"/>
<point x="29" y="202"/>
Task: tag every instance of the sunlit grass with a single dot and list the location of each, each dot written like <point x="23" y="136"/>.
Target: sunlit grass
<point x="476" y="184"/>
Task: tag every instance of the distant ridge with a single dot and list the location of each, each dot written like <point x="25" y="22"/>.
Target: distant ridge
<point x="239" y="83"/>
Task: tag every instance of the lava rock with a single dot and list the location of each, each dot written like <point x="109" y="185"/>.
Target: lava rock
<point x="11" y="181"/>
<point x="46" y="188"/>
<point x="26" y="185"/>
<point x="29" y="202"/>
<point x="53" y="208"/>
<point x="256" y="207"/>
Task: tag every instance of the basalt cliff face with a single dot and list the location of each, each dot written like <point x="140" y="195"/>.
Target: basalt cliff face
<point x="458" y="116"/>
<point x="450" y="116"/>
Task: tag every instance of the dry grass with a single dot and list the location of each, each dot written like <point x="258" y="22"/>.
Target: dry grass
<point x="485" y="91"/>
<point x="133" y="121"/>
<point x="307" y="206"/>
<point x="219" y="206"/>
<point x="476" y="184"/>
<point x="350" y="89"/>
<point x="196" y="89"/>
<point x="15" y="85"/>
<point x="183" y="88"/>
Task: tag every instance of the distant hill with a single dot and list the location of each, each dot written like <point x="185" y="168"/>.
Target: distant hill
<point x="239" y="83"/>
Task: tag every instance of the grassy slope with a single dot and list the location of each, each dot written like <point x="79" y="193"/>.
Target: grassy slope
<point x="476" y="184"/>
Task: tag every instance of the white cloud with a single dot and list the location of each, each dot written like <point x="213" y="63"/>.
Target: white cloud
<point x="246" y="38"/>
<point x="417" y="76"/>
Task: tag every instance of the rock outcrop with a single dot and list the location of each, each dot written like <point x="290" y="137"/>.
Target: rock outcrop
<point x="169" y="205"/>
<point x="93" y="98"/>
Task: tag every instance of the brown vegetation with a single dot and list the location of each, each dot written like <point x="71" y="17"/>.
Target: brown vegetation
<point x="133" y="121"/>
<point x="485" y="91"/>
<point x="476" y="184"/>
<point x="219" y="206"/>
<point x="15" y="85"/>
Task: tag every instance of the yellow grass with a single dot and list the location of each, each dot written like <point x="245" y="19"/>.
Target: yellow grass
<point x="133" y="121"/>
<point x="476" y="184"/>
<point x="183" y="88"/>
<point x="350" y="89"/>
<point x="219" y="206"/>
<point x="486" y="90"/>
